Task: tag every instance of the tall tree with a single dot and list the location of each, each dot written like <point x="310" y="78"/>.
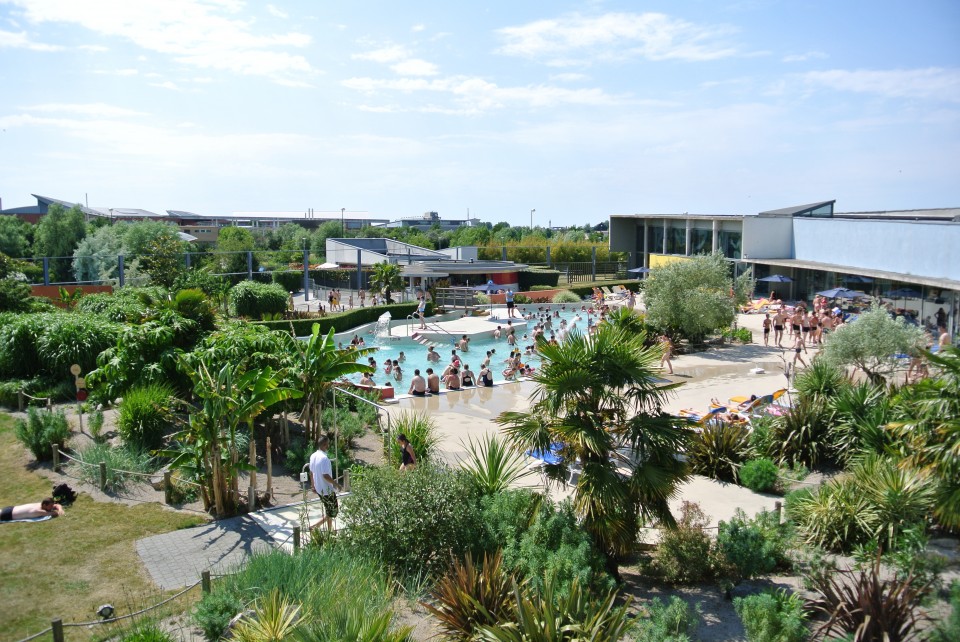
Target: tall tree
<point x="599" y="399"/>
<point x="15" y="235"/>
<point x="386" y="276"/>
<point x="57" y="235"/>
<point x="234" y="242"/>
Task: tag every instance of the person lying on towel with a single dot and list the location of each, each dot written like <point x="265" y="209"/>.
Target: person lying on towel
<point x="46" y="508"/>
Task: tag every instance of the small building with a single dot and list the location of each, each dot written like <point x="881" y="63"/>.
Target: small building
<point x="427" y="220"/>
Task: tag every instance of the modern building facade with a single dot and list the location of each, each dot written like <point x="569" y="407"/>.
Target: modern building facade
<point x="428" y="219"/>
<point x="911" y="253"/>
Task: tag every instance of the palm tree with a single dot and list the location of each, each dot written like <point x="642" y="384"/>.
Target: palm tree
<point x="599" y="398"/>
<point x="321" y="365"/>
<point x="930" y="431"/>
<point x="386" y="277"/>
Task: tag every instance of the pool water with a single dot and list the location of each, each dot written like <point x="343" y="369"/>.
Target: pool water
<point x="415" y="354"/>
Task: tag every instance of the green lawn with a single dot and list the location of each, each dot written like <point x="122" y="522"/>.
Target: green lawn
<point x="68" y="566"/>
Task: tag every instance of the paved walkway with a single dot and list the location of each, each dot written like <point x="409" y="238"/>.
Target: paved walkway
<point x="176" y="559"/>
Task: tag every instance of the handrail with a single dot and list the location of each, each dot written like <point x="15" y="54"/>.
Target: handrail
<point x="379" y="408"/>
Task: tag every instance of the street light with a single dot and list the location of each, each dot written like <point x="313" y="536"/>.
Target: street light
<point x="342" y="228"/>
<point x="531" y="219"/>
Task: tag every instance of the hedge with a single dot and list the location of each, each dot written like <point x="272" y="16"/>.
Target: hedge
<point x="343" y="321"/>
<point x="292" y="280"/>
<point x="253" y="300"/>
<point x="529" y="278"/>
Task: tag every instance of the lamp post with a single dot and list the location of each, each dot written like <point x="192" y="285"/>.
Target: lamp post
<point x="531" y="219"/>
<point x="343" y="233"/>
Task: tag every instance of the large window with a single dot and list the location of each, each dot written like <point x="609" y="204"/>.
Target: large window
<point x="730" y="244"/>
<point x="701" y="241"/>
<point x="656" y="239"/>
<point x="677" y="240"/>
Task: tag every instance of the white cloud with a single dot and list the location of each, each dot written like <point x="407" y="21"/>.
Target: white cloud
<point x="577" y="39"/>
<point x="394" y="53"/>
<point x="199" y="33"/>
<point x="167" y="84"/>
<point x="98" y="110"/>
<point x="934" y="83"/>
<point x="569" y="77"/>
<point x="415" y="67"/>
<point x="20" y="40"/>
<point x="277" y="13"/>
<point x="418" y="28"/>
<point x="117" y="72"/>
<point x="476" y="94"/>
<point x="94" y="48"/>
<point x="810" y="55"/>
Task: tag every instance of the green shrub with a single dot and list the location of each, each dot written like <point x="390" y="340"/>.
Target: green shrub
<point x="121" y="306"/>
<point x="145" y="632"/>
<point x="95" y="425"/>
<point x="297" y="456"/>
<point x="482" y="299"/>
<point x="683" y="555"/>
<point x="507" y="516"/>
<point x="325" y="580"/>
<point x="718" y="450"/>
<point x="555" y="545"/>
<point x="14" y="296"/>
<point x="773" y="617"/>
<point x="121" y="461"/>
<point x="421" y="430"/>
<point x="145" y="415"/>
<point x="343" y="321"/>
<point x="746" y="548"/>
<point x="759" y="475"/>
<point x="47" y="344"/>
<point x="194" y="304"/>
<point x="762" y="439"/>
<point x="949" y="629"/>
<point x="471" y="596"/>
<point x="803" y="434"/>
<point x="541" y="288"/>
<point x="527" y="279"/>
<point x="566" y="296"/>
<point x="521" y="299"/>
<point x="290" y="280"/>
<point x="835" y="517"/>
<point x="671" y="622"/>
<point x="253" y="300"/>
<point x="41" y="429"/>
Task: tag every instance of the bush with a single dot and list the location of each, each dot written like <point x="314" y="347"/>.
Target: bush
<point x="421" y="430"/>
<point x="521" y="299"/>
<point x="291" y="281"/>
<point x="746" y="548"/>
<point x="145" y="415"/>
<point x="507" y="516"/>
<point x="325" y="580"/>
<point x="671" y="622"/>
<point x="14" y="296"/>
<point x="95" y="425"/>
<point x="555" y="545"/>
<point x="146" y="632"/>
<point x="41" y="429"/>
<point x="566" y="296"/>
<point x="411" y="521"/>
<point x="469" y="597"/>
<point x="48" y="344"/>
<point x="121" y="460"/>
<point x="194" y="304"/>
<point x="343" y="321"/>
<point x="683" y="555"/>
<point x="835" y="517"/>
<point x="759" y="475"/>
<point x="253" y="300"/>
<point x="527" y="279"/>
<point x="773" y="617"/>
<point x="949" y="630"/>
<point x="718" y="450"/>
<point x="120" y="306"/>
<point x="541" y="288"/>
<point x="762" y="442"/>
<point x="803" y="434"/>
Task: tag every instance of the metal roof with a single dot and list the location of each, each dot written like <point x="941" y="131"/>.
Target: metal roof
<point x="797" y="209"/>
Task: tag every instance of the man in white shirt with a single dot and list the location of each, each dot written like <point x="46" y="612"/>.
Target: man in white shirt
<point x="321" y="475"/>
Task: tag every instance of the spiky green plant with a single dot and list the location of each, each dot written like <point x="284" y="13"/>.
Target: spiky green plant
<point x="274" y="619"/>
<point x="492" y="466"/>
<point x="421" y="430"/>
<point x="836" y="516"/>
<point x="469" y="597"/>
<point x="718" y="450"/>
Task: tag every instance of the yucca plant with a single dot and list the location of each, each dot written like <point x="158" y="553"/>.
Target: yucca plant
<point x="547" y="617"/>
<point x="836" y="516"/>
<point x="899" y="497"/>
<point x="352" y="624"/>
<point x="469" y="597"/>
<point x="274" y="619"/>
<point x="859" y="414"/>
<point x="491" y="466"/>
<point x="421" y="429"/>
<point x="803" y="433"/>
<point x="861" y="606"/>
<point x="822" y="379"/>
<point x="718" y="451"/>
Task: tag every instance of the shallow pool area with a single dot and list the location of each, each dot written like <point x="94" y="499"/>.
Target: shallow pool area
<point x="443" y="336"/>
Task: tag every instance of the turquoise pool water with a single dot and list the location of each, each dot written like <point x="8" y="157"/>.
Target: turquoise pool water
<point x="415" y="354"/>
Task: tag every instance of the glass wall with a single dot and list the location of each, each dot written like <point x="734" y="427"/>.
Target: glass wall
<point x="701" y="241"/>
<point x="656" y="239"/>
<point x="730" y="242"/>
<point x="677" y="238"/>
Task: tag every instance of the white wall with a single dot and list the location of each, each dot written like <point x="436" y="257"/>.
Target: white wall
<point x="462" y="253"/>
<point x="767" y="237"/>
<point x="916" y="248"/>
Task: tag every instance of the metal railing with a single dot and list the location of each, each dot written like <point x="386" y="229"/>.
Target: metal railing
<point x="455" y="298"/>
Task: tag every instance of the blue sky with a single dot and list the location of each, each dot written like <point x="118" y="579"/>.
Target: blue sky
<point x="577" y="109"/>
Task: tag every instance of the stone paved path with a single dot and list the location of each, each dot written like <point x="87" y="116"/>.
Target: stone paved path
<point x="176" y="559"/>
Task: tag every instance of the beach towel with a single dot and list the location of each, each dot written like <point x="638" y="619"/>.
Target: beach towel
<point x="30" y="519"/>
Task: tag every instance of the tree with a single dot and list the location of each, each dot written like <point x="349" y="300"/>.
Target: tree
<point x="872" y="343"/>
<point x="693" y="297"/>
<point x="386" y="277"/>
<point x="225" y="399"/>
<point x="15" y="235"/>
<point x="236" y="241"/>
<point x="14" y="293"/>
<point x="57" y="235"/>
<point x="598" y="398"/>
<point x="929" y="431"/>
<point x="163" y="259"/>
<point x="95" y="258"/>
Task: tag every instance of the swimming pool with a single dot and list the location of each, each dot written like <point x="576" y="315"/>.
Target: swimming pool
<point x="415" y="354"/>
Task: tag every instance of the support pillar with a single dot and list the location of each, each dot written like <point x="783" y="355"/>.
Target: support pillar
<point x="306" y="274"/>
<point x="593" y="262"/>
<point x="121" y="279"/>
<point x="249" y="265"/>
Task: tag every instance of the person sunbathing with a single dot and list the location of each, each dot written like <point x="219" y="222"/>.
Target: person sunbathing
<point x="45" y="508"/>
